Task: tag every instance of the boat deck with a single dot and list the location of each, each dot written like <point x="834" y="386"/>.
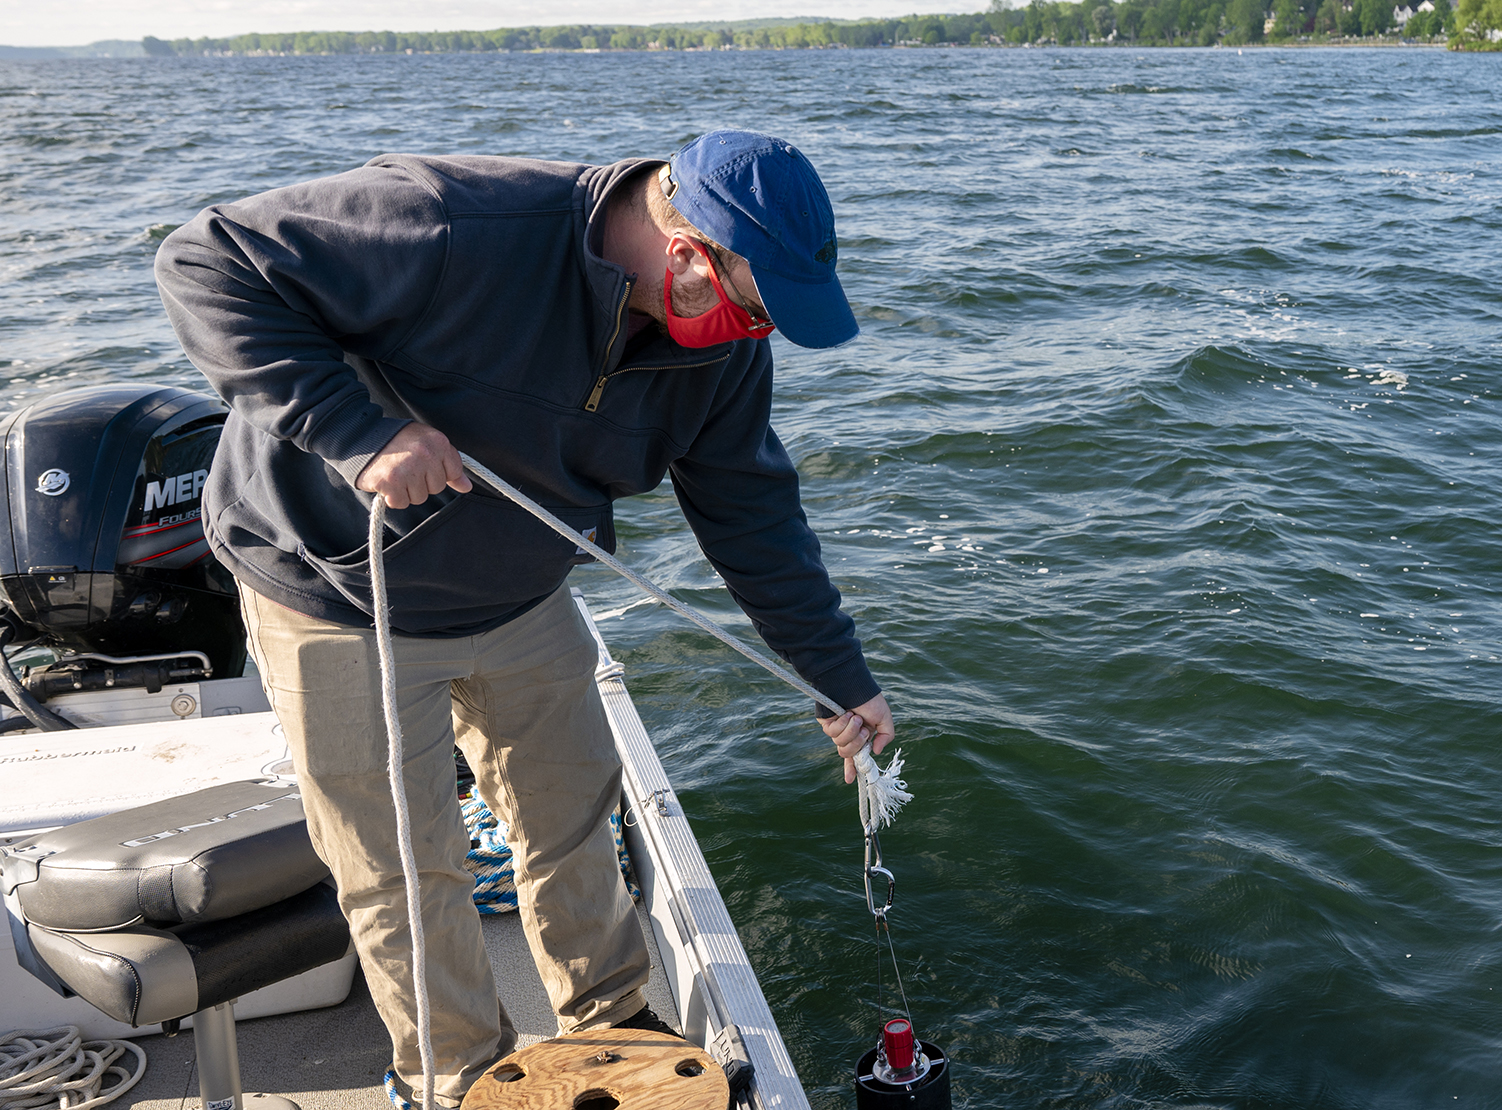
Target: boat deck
<point x="334" y="1058"/>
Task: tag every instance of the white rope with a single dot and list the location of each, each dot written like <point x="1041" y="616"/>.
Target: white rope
<point x="394" y="745"/>
<point x="58" y="1069"/>
<point x="881" y="792"/>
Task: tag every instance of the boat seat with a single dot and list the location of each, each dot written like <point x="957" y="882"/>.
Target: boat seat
<point x="195" y="858"/>
<point x="175" y="909"/>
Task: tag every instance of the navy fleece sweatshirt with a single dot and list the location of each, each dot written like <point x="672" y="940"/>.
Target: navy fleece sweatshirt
<point x="468" y="293"/>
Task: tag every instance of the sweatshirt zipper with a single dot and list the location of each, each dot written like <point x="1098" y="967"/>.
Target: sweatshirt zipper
<point x="594" y="395"/>
<point x="592" y="404"/>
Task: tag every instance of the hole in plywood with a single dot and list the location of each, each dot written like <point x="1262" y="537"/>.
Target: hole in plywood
<point x="508" y="1073"/>
<point x="596" y="1099"/>
<point x="690" y="1068"/>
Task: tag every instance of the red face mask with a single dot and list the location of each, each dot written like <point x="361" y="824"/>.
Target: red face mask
<point x="721" y="324"/>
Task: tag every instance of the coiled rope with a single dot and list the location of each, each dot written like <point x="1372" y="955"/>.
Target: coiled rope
<point x="57" y="1068"/>
<point x="881" y="792"/>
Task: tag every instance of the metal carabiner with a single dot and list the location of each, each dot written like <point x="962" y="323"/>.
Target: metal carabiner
<point x="873" y="867"/>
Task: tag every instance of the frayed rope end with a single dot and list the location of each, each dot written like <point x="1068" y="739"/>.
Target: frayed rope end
<point x="885" y="793"/>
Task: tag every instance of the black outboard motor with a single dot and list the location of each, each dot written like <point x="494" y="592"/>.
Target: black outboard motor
<point x="102" y="551"/>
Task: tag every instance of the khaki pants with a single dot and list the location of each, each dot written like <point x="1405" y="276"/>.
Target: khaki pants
<point x="521" y="703"/>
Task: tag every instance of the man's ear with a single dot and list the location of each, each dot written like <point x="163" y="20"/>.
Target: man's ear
<point x="684" y="260"/>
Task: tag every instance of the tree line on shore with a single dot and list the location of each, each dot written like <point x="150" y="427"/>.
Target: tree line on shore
<point x="1103" y="22"/>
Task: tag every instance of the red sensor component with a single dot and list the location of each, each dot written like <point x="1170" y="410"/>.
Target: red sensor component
<point x="897" y="1038"/>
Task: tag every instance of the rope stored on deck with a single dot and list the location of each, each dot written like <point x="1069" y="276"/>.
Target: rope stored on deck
<point x="43" y="1069"/>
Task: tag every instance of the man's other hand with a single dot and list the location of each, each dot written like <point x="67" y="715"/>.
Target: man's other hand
<point x="851" y="731"/>
<point x="417" y="462"/>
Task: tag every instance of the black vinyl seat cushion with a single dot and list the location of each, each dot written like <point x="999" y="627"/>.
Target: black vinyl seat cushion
<point x="158" y="912"/>
<point x="141" y="975"/>
<point x="200" y="857"/>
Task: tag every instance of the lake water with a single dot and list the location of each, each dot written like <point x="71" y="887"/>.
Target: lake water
<point x="1158" y="485"/>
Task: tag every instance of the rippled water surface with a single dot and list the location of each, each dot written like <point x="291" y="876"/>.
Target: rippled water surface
<point x="1162" y="485"/>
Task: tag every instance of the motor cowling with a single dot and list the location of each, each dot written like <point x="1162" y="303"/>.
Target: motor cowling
<point x="101" y="531"/>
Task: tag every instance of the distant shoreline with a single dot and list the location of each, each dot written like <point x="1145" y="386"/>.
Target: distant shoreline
<point x="1133" y="24"/>
<point x="76" y="53"/>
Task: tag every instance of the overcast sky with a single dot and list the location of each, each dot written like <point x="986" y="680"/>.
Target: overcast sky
<point x="76" y="22"/>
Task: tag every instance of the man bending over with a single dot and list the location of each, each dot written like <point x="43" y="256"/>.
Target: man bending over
<point x="583" y="331"/>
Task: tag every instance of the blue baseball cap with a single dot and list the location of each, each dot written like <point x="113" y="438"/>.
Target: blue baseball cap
<point x="761" y="198"/>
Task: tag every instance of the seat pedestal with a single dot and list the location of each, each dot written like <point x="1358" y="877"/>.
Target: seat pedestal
<point x="219" y="1064"/>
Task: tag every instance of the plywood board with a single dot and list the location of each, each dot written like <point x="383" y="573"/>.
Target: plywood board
<point x="600" y="1069"/>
